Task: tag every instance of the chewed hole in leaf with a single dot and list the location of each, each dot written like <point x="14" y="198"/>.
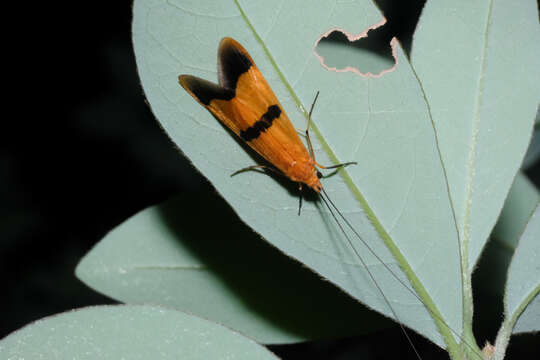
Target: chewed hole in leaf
<point x="371" y="54"/>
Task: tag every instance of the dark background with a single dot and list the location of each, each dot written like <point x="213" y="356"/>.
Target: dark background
<point x="84" y="153"/>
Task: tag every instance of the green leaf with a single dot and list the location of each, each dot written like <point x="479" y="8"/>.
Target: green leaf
<point x="492" y="273"/>
<point x="524" y="279"/>
<point x="396" y="196"/>
<point x="417" y="134"/>
<point x="478" y="68"/>
<point x="478" y="65"/>
<point x="171" y="255"/>
<point x="521" y="300"/>
<point x="128" y="332"/>
<point x="518" y="207"/>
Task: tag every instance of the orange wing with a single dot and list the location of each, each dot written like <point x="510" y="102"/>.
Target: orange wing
<point x="246" y="104"/>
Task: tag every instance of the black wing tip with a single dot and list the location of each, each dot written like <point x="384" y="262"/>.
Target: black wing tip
<point x="191" y="83"/>
<point x="204" y="91"/>
<point x="228" y="41"/>
<point x="233" y="61"/>
<point x="185" y="80"/>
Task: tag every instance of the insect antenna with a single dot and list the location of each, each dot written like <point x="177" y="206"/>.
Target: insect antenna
<point x="327" y="201"/>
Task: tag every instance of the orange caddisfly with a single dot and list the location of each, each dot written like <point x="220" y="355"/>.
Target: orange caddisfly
<point x="245" y="103"/>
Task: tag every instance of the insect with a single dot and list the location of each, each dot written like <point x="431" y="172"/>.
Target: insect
<point x="244" y="102"/>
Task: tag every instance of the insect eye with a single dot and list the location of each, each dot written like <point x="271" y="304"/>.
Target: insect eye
<point x="319" y="175"/>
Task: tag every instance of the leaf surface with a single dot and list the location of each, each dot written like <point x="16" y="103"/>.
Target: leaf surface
<point x="450" y="110"/>
<point x="397" y="195"/>
<point x="477" y="62"/>
<point x="128" y="332"/>
<point x="523" y="282"/>
<point x="199" y="259"/>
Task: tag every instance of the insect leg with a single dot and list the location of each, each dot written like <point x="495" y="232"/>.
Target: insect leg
<point x="253" y="167"/>
<point x="336" y="166"/>
<point x="310" y="146"/>
<point x="300" y="198"/>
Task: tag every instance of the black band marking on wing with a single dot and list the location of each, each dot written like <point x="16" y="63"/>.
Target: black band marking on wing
<point x="262" y="124"/>
<point x="204" y="90"/>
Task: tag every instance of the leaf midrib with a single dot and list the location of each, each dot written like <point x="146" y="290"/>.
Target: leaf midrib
<point x="468" y="306"/>
<point x="406" y="268"/>
<point x="474" y="142"/>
